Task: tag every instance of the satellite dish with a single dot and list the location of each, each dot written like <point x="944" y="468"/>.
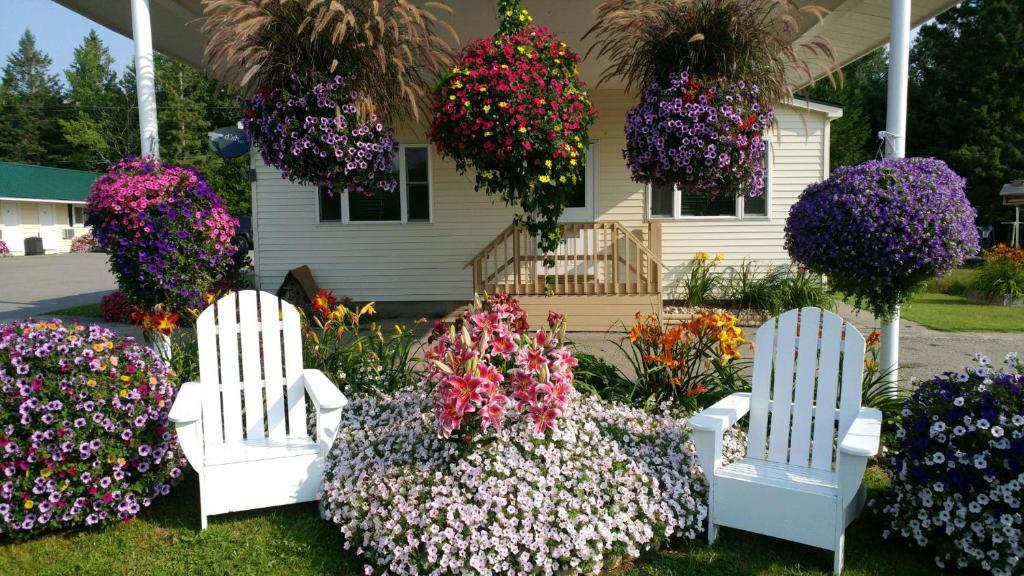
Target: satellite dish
<point x="229" y="142"/>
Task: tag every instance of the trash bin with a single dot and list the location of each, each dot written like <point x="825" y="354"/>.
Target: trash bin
<point x="33" y="246"/>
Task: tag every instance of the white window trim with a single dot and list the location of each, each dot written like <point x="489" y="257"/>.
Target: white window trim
<point x="77" y="224"/>
<point x="738" y="215"/>
<point x="589" y="212"/>
<point x="403" y="196"/>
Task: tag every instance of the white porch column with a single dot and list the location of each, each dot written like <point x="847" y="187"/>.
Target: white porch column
<point x="145" y="77"/>
<point x="895" y="147"/>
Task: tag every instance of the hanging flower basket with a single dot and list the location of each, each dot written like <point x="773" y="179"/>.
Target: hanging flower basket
<point x="166" y="232"/>
<point x="705" y="135"/>
<point x="514" y="110"/>
<point x="878" y="230"/>
<point x="313" y="135"/>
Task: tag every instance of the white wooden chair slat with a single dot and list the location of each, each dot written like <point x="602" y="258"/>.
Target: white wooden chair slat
<point x="782" y="388"/>
<point x="206" y="340"/>
<point x="270" y="320"/>
<point x="252" y="370"/>
<point x="761" y="390"/>
<point x="800" y="489"/>
<point x="803" y="398"/>
<point x="828" y="380"/>
<point x="853" y="372"/>
<point x="254" y="450"/>
<point x="229" y="377"/>
<point x="293" y="372"/>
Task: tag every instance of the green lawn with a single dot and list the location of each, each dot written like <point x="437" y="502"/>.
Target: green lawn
<point x="91" y="311"/>
<point x="954" y="314"/>
<point x="293" y="540"/>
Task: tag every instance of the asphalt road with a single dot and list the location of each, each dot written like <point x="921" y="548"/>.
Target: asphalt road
<point x="37" y="285"/>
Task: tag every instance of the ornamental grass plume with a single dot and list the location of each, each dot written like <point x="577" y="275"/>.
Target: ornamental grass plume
<point x="514" y="110"/>
<point x="84" y="436"/>
<point x="958" y="466"/>
<point x="878" y="230"/>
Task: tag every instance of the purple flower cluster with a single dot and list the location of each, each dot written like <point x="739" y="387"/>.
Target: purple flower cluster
<point x="167" y="233"/>
<point x="315" y="136"/>
<point x="702" y="135"/>
<point x="959" y="468"/>
<point x="880" y="228"/>
<point x="84" y="438"/>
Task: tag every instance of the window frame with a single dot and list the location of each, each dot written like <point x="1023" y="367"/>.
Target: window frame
<point x="403" y="191"/>
<point x="738" y="212"/>
<point x="72" y="222"/>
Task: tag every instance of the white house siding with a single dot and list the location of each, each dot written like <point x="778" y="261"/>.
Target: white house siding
<point x="30" y="226"/>
<point x="426" y="262"/>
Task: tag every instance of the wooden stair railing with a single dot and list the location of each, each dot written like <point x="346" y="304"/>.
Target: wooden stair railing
<point x="593" y="258"/>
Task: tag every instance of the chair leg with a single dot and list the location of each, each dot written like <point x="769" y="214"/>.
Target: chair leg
<point x="202" y="505"/>
<point x="712" y="532"/>
<point x="837" y="560"/>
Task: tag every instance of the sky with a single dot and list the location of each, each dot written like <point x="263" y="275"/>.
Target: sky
<point x="57" y="30"/>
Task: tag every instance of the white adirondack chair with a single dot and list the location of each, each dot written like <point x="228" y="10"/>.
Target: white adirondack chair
<point x="793" y="483"/>
<point x="244" y="431"/>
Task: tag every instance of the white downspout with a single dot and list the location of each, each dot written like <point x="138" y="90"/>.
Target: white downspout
<point x="895" y="147"/>
<point x="145" y="78"/>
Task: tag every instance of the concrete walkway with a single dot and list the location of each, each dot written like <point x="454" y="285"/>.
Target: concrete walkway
<point x="37" y="285"/>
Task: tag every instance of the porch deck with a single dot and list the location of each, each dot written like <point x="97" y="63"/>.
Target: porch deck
<point x="602" y="273"/>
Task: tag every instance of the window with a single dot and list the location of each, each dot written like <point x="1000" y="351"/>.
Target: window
<point x="76" y="215"/>
<point x="668" y="201"/>
<point x="409" y="203"/>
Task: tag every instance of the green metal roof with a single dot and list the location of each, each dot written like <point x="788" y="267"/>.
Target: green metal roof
<point x="33" y="182"/>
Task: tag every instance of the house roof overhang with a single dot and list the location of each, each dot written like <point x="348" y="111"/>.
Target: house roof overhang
<point x="853" y="28"/>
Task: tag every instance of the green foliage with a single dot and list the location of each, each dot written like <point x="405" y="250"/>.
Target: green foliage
<point x="29" y="96"/>
<point x="966" y="103"/>
<point x="956" y="283"/>
<point x="703" y="282"/>
<point x="597" y="376"/>
<point x="805" y="288"/>
<point x="999" y="276"/>
<point x="751" y="287"/>
<point x="184" y="358"/>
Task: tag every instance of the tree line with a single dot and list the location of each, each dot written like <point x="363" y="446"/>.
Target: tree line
<point x="91" y="119"/>
<point x="966" y="100"/>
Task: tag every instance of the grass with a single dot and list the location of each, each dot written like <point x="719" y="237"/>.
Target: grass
<point x="951" y="313"/>
<point x="83" y="311"/>
<point x="293" y="540"/>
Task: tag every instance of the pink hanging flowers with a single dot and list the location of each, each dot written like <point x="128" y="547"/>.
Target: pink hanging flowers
<point x="487" y="368"/>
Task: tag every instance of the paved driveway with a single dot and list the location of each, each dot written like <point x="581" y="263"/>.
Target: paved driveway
<point x="36" y="285"/>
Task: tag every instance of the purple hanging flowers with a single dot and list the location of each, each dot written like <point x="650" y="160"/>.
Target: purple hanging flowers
<point x="881" y="228"/>
<point x="704" y="135"/>
<point x="315" y="136"/>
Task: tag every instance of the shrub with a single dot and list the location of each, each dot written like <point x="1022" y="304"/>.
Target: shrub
<point x="166" y="233"/>
<point x="693" y="362"/>
<point x="83" y="243"/>
<point x="701" y="134"/>
<point x="881" y="228"/>
<point x="805" y="288"/>
<point x="610" y="482"/>
<point x="514" y="110"/>
<point x="114" y="307"/>
<point x="959" y="469"/>
<point x="749" y="287"/>
<point x="357" y="357"/>
<point x="4" y="250"/>
<point x="487" y="370"/>
<point x="595" y="375"/>
<point x="704" y="281"/>
<point x="956" y="283"/>
<point x="1002" y="273"/>
<point x="84" y="436"/>
<point x="314" y="135"/>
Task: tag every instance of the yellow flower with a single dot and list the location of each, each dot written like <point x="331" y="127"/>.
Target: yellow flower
<point x="487" y="133"/>
<point x="502" y="104"/>
<point x="562" y="178"/>
<point x="46" y="473"/>
<point x="29" y="504"/>
<point x="123" y="393"/>
<point x="547" y="163"/>
<point x="572" y="161"/>
<point x="487" y="107"/>
<point x="451" y="97"/>
<point x="544" y="178"/>
<point x="483" y="89"/>
<point x="457" y="84"/>
<point x="368" y="308"/>
<point x="719" y="258"/>
<point x="701" y="257"/>
<point x="522" y="129"/>
<point x="126" y="378"/>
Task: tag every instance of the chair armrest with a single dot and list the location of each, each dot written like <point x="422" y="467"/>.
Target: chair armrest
<point x="723" y="414"/>
<point x="188" y="404"/>
<point x="323" y="392"/>
<point x="863" y="436"/>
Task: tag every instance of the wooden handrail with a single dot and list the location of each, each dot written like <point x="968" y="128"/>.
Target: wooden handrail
<point x="593" y="258"/>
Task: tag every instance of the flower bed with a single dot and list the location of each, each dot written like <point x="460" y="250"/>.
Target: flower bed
<point x="608" y="483"/>
<point x="84" y="437"/>
<point x="83" y="243"/>
<point x="705" y="135"/>
<point x="115" y="307"/>
<point x="167" y="233"/>
<point x="959" y="469"/>
<point x="1000" y="280"/>
<point x="313" y="135"/>
<point x="4" y="250"/>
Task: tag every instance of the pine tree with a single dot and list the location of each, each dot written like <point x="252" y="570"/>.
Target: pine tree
<point x="31" y="107"/>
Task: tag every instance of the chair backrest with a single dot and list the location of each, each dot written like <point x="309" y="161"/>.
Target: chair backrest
<point x="808" y="366"/>
<point x="250" y="369"/>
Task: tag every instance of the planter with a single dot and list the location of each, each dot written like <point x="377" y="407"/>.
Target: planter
<point x="977" y="297"/>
